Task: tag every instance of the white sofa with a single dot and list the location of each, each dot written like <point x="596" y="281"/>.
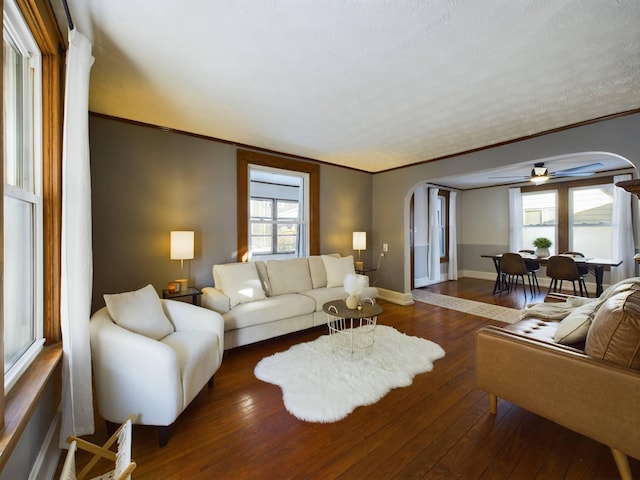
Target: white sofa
<point x="151" y="357"/>
<point x="260" y="300"/>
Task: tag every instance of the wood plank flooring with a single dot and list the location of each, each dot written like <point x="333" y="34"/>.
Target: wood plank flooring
<point x="439" y="427"/>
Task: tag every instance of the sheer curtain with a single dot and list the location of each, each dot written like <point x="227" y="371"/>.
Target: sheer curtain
<point x="622" y="241"/>
<point x="453" y="241"/>
<point x="77" y="261"/>
<point x="434" y="236"/>
<point x="515" y="219"/>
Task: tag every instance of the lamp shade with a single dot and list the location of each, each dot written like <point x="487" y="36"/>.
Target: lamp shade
<point x="181" y="245"/>
<point x="359" y="240"/>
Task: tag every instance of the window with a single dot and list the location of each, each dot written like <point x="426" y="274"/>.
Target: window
<point x="575" y="216"/>
<point x="275" y="225"/>
<point x="539" y="217"/>
<point x="23" y="204"/>
<point x="590" y="215"/>
<point x="303" y="231"/>
<point x="443" y="224"/>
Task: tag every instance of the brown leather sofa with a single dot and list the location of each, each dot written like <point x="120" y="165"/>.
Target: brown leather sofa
<point x="591" y="385"/>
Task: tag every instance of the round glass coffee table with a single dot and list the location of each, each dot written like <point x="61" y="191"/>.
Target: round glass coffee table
<point x="352" y="330"/>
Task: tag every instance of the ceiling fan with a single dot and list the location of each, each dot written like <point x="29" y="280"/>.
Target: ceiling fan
<point x="540" y="173"/>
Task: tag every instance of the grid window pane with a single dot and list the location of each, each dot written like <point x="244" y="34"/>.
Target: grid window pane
<point x="261" y="208"/>
<point x="19" y="294"/>
<point x="287" y="210"/>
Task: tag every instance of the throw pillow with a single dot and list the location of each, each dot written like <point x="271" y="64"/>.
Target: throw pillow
<point x="615" y="332"/>
<point x="337" y="269"/>
<point x="140" y="312"/>
<point x="239" y="281"/>
<point x="289" y="276"/>
<point x="575" y="326"/>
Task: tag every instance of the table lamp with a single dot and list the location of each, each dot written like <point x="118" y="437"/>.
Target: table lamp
<point x="359" y="243"/>
<point x="182" y="249"/>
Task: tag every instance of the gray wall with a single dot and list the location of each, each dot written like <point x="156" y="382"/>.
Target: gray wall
<point x="392" y="190"/>
<point x="147" y="182"/>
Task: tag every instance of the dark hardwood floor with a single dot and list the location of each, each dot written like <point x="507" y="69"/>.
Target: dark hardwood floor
<point x="439" y="427"/>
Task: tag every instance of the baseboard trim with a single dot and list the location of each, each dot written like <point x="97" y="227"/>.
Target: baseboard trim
<point x="395" y="297"/>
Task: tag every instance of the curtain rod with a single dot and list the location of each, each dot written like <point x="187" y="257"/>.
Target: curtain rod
<point x="68" y="14"/>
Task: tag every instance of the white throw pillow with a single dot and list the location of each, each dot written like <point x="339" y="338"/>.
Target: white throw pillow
<point x="139" y="311"/>
<point x="239" y="281"/>
<point x="575" y="326"/>
<point x="337" y="269"/>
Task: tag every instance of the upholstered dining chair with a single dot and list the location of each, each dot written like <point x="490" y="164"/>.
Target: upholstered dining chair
<point x="560" y="268"/>
<point x="533" y="266"/>
<point x="512" y="267"/>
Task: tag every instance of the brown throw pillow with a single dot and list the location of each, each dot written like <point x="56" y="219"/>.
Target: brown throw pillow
<point x="615" y="332"/>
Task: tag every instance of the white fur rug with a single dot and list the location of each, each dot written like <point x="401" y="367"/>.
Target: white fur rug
<point x="320" y="385"/>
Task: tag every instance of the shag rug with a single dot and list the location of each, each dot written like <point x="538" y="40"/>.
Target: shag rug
<point x="322" y="385"/>
<point x="480" y="309"/>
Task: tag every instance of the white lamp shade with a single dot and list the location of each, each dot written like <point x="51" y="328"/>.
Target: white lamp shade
<point x="359" y="240"/>
<point x="181" y="245"/>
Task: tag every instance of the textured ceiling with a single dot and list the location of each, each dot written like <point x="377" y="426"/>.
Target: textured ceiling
<point x="368" y="84"/>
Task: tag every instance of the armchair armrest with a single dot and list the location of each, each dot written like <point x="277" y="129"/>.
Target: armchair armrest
<point x="590" y="396"/>
<point x="132" y="372"/>
<point x="215" y="300"/>
<point x="186" y="316"/>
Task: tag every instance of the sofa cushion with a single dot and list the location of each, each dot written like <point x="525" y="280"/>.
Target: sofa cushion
<point x="615" y="331"/>
<point x="239" y="281"/>
<point x="139" y="311"/>
<point x="337" y="269"/>
<point x="574" y="327"/>
<point x="269" y="310"/>
<point x="289" y="276"/>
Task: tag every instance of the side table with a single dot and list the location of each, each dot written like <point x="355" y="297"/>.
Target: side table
<point x="352" y="330"/>
<point x="192" y="292"/>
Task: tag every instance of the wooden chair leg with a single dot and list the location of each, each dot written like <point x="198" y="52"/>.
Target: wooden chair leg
<point x="493" y="405"/>
<point x="622" y="462"/>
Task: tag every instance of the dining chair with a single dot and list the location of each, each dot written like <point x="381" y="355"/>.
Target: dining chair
<point x="565" y="268"/>
<point x="512" y="267"/>
<point x="533" y="266"/>
<point x="582" y="268"/>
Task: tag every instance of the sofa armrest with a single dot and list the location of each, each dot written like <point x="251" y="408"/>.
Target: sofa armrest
<point x="215" y="300"/>
<point x="186" y="316"/>
<point x="590" y="396"/>
<point x="133" y="370"/>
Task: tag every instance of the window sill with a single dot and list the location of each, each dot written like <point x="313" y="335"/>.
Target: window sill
<point x="23" y="399"/>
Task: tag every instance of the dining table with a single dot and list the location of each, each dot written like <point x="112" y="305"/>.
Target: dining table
<point x="594" y="265"/>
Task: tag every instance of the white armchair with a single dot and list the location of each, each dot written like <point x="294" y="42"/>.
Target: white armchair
<point x="155" y="379"/>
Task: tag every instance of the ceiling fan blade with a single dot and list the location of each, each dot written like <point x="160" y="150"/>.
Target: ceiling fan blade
<point x="583" y="168"/>
<point x="512" y="176"/>
<point x="570" y="174"/>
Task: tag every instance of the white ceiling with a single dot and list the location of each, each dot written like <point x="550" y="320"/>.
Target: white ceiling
<point x="368" y="84"/>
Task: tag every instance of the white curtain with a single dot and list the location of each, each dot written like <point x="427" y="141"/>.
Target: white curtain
<point x="77" y="261"/>
<point x="434" y="236"/>
<point x="515" y="219"/>
<point x="453" y="241"/>
<point x="622" y="241"/>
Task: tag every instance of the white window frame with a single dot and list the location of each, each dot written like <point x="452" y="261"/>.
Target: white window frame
<point x="303" y="204"/>
<point x="32" y="156"/>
